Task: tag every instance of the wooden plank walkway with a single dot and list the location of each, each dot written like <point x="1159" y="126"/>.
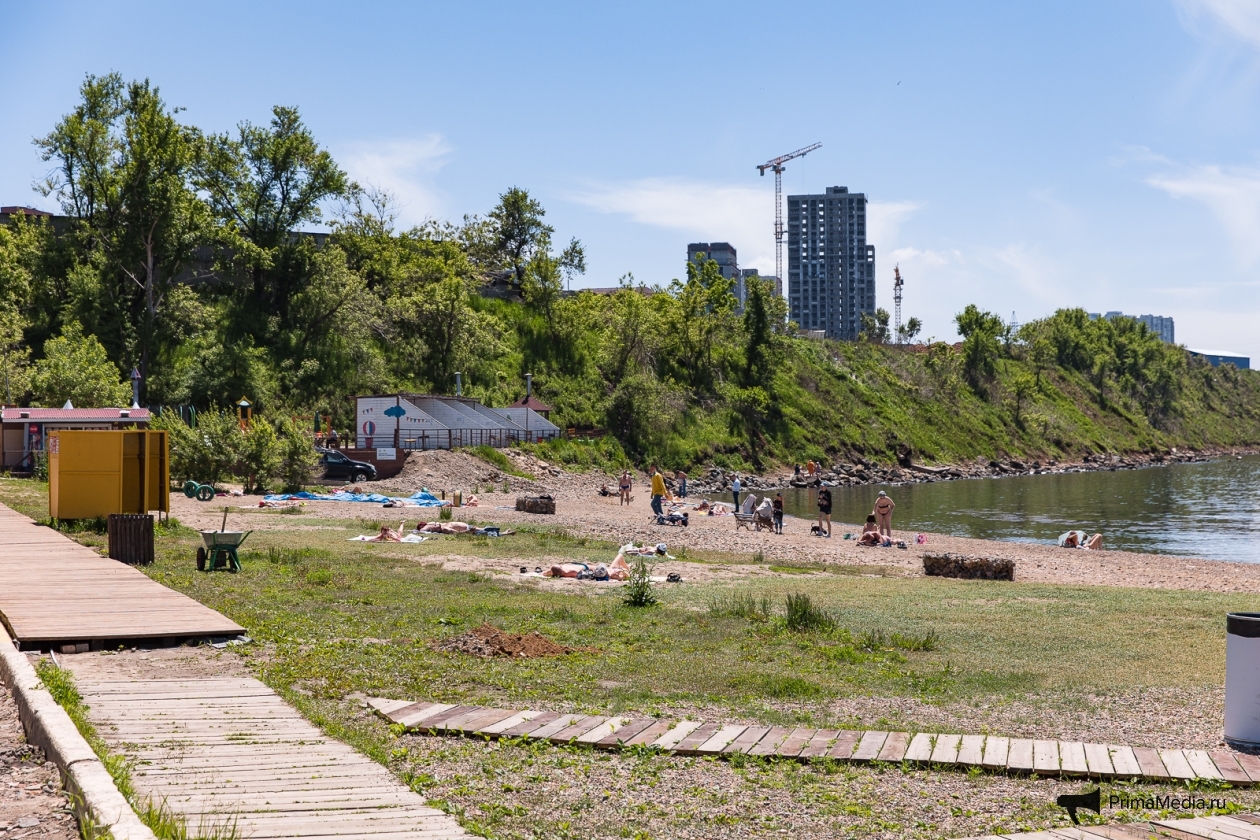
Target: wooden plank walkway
<point x="226" y="750"/>
<point x="689" y="737"/>
<point x="1234" y="827"/>
<point x="54" y="591"/>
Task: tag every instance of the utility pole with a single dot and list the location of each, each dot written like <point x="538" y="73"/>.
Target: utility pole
<point x="897" y="284"/>
<point x="776" y="165"/>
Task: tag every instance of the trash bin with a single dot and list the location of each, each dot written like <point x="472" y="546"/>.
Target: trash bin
<point x="131" y="538"/>
<point x="1242" y="679"/>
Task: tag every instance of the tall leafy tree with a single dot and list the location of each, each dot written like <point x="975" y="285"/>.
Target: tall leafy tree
<point x="122" y="163"/>
<point x="75" y="368"/>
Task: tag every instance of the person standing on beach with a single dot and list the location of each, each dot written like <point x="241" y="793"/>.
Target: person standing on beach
<point x="625" y="484"/>
<point x="658" y="491"/>
<point x="776" y="511"/>
<point x="735" y="491"/>
<point x="883" y="513"/>
<point x="824" y="511"/>
<point x="681" y="478"/>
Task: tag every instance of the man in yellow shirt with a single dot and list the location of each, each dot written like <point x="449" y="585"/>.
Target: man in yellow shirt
<point x="658" y="491"/>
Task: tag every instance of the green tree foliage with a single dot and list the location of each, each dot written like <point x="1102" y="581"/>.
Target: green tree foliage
<point x="875" y="327"/>
<point x="76" y="368"/>
<point x="982" y="333"/>
<point x="260" y="455"/>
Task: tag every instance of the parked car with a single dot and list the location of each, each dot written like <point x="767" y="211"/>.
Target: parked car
<point x="338" y="467"/>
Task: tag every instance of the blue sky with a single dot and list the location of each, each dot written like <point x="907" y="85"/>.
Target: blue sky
<point x="1020" y="156"/>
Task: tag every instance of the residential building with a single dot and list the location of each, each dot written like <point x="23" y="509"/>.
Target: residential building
<point x="831" y="269"/>
<point x="1161" y="325"/>
<point x="25" y="430"/>
<point x="722" y="253"/>
<point x="752" y="272"/>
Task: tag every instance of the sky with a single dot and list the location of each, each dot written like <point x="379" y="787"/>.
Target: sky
<point x="1023" y="157"/>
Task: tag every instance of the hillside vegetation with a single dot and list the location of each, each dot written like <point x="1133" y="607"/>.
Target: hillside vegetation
<point x="674" y="371"/>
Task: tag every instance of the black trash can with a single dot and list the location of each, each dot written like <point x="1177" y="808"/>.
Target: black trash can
<point x="131" y="538"/>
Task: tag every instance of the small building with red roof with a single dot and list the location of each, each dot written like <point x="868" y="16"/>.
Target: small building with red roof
<point x="24" y="431"/>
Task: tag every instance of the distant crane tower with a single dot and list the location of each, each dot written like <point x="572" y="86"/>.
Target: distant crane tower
<point x="897" y="284"/>
<point x="776" y="165"/>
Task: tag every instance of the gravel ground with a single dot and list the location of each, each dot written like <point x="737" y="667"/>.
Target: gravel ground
<point x="32" y="803"/>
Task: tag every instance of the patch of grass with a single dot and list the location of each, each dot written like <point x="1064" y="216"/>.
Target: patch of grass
<point x="746" y="605"/>
<point x="804" y="616"/>
<point x="444" y="514"/>
<point x="639" y="591"/>
<point x="496" y="458"/>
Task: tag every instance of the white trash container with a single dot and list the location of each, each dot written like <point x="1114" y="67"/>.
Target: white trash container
<point x="1242" y="679"/>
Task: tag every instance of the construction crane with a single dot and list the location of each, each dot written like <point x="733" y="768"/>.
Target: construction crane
<point x="897" y="284"/>
<point x="777" y="166"/>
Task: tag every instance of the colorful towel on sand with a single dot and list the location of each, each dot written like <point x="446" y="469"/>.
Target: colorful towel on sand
<point x="421" y="499"/>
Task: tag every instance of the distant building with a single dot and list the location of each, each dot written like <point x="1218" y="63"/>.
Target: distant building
<point x="722" y="253"/>
<point x="752" y="272"/>
<point x="1160" y="325"/>
<point x="26" y="429"/>
<point x="1216" y="358"/>
<point x="831" y="269"/>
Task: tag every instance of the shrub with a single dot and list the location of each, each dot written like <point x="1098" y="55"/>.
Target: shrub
<point x="444" y="514"/>
<point x="260" y="455"/>
<point x="803" y="616"/>
<point x="297" y="454"/>
<point x="639" y="591"/>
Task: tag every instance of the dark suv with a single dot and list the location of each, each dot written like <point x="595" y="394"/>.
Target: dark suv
<point x="339" y="467"/>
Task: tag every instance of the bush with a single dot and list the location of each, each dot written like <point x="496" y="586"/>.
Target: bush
<point x="803" y="616"/>
<point x="639" y="591"/>
<point x="297" y="454"/>
<point x="206" y="453"/>
<point x="260" y="455"/>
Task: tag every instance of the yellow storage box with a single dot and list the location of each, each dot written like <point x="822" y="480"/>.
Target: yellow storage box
<point x="96" y="473"/>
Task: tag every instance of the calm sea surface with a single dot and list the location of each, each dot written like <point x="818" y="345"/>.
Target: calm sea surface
<point x="1204" y="510"/>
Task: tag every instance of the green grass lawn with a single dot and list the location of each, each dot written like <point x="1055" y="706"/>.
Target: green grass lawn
<point x="335" y="617"/>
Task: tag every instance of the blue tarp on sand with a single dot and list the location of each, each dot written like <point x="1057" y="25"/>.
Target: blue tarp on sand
<point x="421" y="499"/>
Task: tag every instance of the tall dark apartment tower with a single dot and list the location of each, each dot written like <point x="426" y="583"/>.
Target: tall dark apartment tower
<point x="831" y="269"/>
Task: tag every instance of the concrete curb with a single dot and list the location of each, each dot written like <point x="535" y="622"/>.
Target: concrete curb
<point x="94" y="796"/>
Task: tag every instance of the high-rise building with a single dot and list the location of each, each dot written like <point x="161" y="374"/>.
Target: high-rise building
<point x="1161" y="325"/>
<point x="752" y="272"/>
<point x="722" y="253"/>
<point x="831" y="269"/>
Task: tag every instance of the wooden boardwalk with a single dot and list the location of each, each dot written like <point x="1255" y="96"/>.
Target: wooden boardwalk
<point x="691" y="737"/>
<point x="1235" y="827"/>
<point x="226" y="750"/>
<point x="55" y="592"/>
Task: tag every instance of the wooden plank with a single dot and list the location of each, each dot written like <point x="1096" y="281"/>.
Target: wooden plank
<point x="687" y="745"/>
<point x="747" y="739"/>
<point x="1232" y="827"/>
<point x="770" y="741"/>
<point x="621" y="735"/>
<point x="1228" y="767"/>
<point x="1098" y="761"/>
<point x="580" y="725"/>
<point x="1046" y="758"/>
<point x="469" y="724"/>
<point x="1250" y="765"/>
<point x="1152" y="766"/>
<point x="607" y="729"/>
<point x="721" y="739"/>
<point x="795" y="742"/>
<point x="553" y="726"/>
<point x="845" y="742"/>
<point x="895" y="747"/>
<point x="523" y="729"/>
<point x="996" y="750"/>
<point x="436" y="723"/>
<point x="675" y="735"/>
<point x="417" y="716"/>
<point x="1072" y="761"/>
<point x="1197" y="827"/>
<point x="1176" y="764"/>
<point x="647" y="736"/>
<point x="1019" y="757"/>
<point x="497" y="729"/>
<point x="870" y="745"/>
<point x="820" y="743"/>
<point x="971" y="750"/>
<point x="920" y="749"/>
<point x="1201" y="764"/>
<point x="1125" y="762"/>
<point x="945" y="750"/>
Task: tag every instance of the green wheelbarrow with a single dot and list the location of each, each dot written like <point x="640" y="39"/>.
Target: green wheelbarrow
<point x="219" y="551"/>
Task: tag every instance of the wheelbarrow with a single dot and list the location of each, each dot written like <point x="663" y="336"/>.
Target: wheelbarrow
<point x="219" y="551"/>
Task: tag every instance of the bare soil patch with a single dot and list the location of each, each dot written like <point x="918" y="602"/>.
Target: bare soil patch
<point x="488" y="640"/>
<point x="32" y="803"/>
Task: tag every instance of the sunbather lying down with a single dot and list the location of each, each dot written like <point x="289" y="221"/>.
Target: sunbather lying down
<point x="1078" y="539"/>
<point x="874" y="538"/>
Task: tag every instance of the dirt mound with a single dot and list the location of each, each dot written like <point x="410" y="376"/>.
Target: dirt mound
<point x="488" y="640"/>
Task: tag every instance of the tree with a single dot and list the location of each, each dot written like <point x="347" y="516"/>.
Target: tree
<point x="908" y="331"/>
<point x="875" y="327"/>
<point x="981" y="348"/>
<point x="14" y="354"/>
<point x="76" y="368"/>
<point x="122" y="166"/>
<point x="260" y="453"/>
<point x="1022" y="387"/>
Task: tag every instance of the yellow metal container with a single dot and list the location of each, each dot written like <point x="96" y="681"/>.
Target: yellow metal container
<point x="96" y="473"/>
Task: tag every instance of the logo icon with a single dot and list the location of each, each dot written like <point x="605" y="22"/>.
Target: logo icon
<point x="395" y="411"/>
<point x="1091" y="801"/>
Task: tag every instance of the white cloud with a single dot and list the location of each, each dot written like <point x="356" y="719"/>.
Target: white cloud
<point x="1240" y="17"/>
<point x="1233" y="196"/>
<point x="403" y="168"/>
<point x="918" y="258"/>
<point x="742" y="216"/>
<point x="884" y="220"/>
